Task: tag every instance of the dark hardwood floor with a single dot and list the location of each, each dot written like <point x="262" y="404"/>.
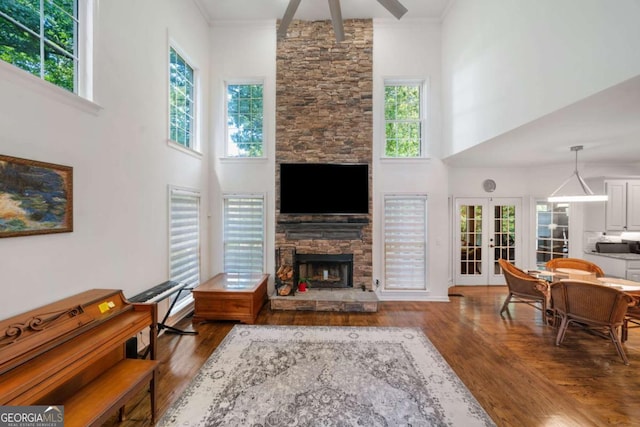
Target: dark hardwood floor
<point x="510" y="364"/>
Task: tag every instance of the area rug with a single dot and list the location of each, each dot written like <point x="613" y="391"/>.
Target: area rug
<point x="325" y="376"/>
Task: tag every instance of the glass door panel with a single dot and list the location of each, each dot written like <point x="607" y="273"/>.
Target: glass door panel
<point x="486" y="230"/>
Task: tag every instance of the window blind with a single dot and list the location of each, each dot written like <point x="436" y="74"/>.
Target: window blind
<point x="184" y="235"/>
<point x="244" y="234"/>
<point x="405" y="242"/>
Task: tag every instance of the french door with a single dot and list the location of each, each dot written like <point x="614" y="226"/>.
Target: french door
<point x="485" y="231"/>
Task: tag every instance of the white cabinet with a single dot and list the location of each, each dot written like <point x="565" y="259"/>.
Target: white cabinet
<point x="612" y="267"/>
<point x="616" y="267"/>
<point x="623" y="207"/>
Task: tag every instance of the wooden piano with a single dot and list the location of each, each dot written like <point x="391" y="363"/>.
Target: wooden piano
<point x="72" y="353"/>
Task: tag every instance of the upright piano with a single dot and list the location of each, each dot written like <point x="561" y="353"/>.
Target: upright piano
<point x="73" y="353"/>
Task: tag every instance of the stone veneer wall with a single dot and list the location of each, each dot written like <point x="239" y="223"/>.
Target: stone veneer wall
<point x="324" y="115"/>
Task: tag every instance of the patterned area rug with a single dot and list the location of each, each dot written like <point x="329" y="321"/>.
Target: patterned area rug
<point x="326" y="376"/>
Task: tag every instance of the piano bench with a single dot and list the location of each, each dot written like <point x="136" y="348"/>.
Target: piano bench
<point x="96" y="402"/>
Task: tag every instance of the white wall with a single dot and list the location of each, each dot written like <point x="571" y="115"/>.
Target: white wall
<point x="506" y="62"/>
<point x="411" y="50"/>
<point x="122" y="163"/>
<point x="242" y="50"/>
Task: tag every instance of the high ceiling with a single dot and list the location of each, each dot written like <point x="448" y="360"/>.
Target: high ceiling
<point x="235" y="10"/>
<point x="607" y="124"/>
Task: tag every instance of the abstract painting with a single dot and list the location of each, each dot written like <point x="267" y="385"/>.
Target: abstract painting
<point x="35" y="197"/>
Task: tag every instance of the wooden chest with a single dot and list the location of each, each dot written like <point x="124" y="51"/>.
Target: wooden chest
<point x="229" y="296"/>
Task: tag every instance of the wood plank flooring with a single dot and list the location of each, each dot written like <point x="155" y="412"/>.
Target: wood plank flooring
<point x="510" y="364"/>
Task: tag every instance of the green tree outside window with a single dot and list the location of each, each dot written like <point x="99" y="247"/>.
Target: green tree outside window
<point x="50" y="51"/>
<point x="403" y="120"/>
<point x="244" y="120"/>
<point x="181" y="102"/>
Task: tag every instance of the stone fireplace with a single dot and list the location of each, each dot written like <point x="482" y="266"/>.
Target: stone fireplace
<point x="324" y="115"/>
<point x="324" y="271"/>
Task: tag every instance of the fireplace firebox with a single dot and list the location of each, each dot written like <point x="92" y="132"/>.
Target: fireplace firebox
<point x="324" y="270"/>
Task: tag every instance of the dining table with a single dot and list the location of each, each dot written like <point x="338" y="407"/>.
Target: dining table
<point x="628" y="286"/>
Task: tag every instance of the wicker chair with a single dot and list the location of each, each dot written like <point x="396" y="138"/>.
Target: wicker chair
<point x="632" y="317"/>
<point x="600" y="309"/>
<point x="524" y="288"/>
<point x="576" y="263"/>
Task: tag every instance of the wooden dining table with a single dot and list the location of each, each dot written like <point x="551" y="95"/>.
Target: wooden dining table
<point x="628" y="286"/>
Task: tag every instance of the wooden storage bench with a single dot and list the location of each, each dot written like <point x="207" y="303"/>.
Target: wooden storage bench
<point x="228" y="296"/>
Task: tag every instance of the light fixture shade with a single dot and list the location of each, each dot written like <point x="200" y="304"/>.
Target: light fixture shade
<point x="583" y="194"/>
<point x="585" y="198"/>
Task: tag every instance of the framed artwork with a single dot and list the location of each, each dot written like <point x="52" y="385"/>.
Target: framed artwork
<point x="35" y="197"/>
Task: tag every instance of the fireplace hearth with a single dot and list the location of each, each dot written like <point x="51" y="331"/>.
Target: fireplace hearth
<point x="329" y="271"/>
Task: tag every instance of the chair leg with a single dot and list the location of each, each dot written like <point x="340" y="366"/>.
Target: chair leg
<point x="506" y="303"/>
<point x="613" y="333"/>
<point x="561" y="331"/>
<point x="624" y="334"/>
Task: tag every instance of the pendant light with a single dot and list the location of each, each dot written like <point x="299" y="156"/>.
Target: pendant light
<point x="586" y="195"/>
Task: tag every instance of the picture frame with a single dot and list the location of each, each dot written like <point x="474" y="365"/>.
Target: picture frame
<point x="35" y="197"/>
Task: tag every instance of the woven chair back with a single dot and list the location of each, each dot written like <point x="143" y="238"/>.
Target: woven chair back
<point x="593" y="303"/>
<point x="575" y="263"/>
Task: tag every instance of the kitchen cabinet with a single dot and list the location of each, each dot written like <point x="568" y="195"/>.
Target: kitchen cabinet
<point x="622" y="211"/>
<point x="626" y="266"/>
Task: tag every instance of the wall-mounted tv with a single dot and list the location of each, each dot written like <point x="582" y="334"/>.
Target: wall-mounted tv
<point x="324" y="188"/>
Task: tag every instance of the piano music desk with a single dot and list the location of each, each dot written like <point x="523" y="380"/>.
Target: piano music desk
<point x="229" y="296"/>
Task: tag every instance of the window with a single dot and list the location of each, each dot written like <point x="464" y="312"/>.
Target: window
<point x="182" y="95"/>
<point x="244" y="120"/>
<point x="403" y="118"/>
<point x="244" y="234"/>
<point x="184" y="237"/>
<point x="552" y="231"/>
<point x="41" y="37"/>
<point x="405" y="242"/>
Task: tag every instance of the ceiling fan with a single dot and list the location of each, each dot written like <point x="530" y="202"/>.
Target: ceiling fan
<point x="393" y="6"/>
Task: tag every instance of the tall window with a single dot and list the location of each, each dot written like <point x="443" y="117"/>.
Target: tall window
<point x="245" y="120"/>
<point x="404" y="118"/>
<point x="182" y="106"/>
<point x="184" y="237"/>
<point x="244" y="233"/>
<point x="552" y="231"/>
<point x="41" y="37"/>
<point x="405" y="242"/>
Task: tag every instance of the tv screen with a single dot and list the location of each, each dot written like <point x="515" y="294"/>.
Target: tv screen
<point x="324" y="188"/>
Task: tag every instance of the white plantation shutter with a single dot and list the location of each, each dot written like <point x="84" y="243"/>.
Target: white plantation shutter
<point x="405" y="242"/>
<point x="244" y="234"/>
<point x="184" y="246"/>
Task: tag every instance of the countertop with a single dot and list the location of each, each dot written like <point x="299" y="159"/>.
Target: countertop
<point x="626" y="257"/>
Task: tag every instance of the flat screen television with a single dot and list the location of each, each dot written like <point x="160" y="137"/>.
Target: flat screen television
<point x="324" y="188"/>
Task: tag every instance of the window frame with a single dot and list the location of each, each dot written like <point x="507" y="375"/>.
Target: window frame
<point x="82" y="98"/>
<point x="422" y="84"/>
<point x="227" y="137"/>
<point x="551" y="239"/>
<point x="385" y="238"/>
<point x="225" y="198"/>
<point x="194" y="147"/>
<point x="45" y="43"/>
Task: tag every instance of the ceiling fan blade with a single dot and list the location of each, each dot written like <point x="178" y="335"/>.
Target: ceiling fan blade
<point x="288" y="17"/>
<point x="394" y="7"/>
<point x="336" y="19"/>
